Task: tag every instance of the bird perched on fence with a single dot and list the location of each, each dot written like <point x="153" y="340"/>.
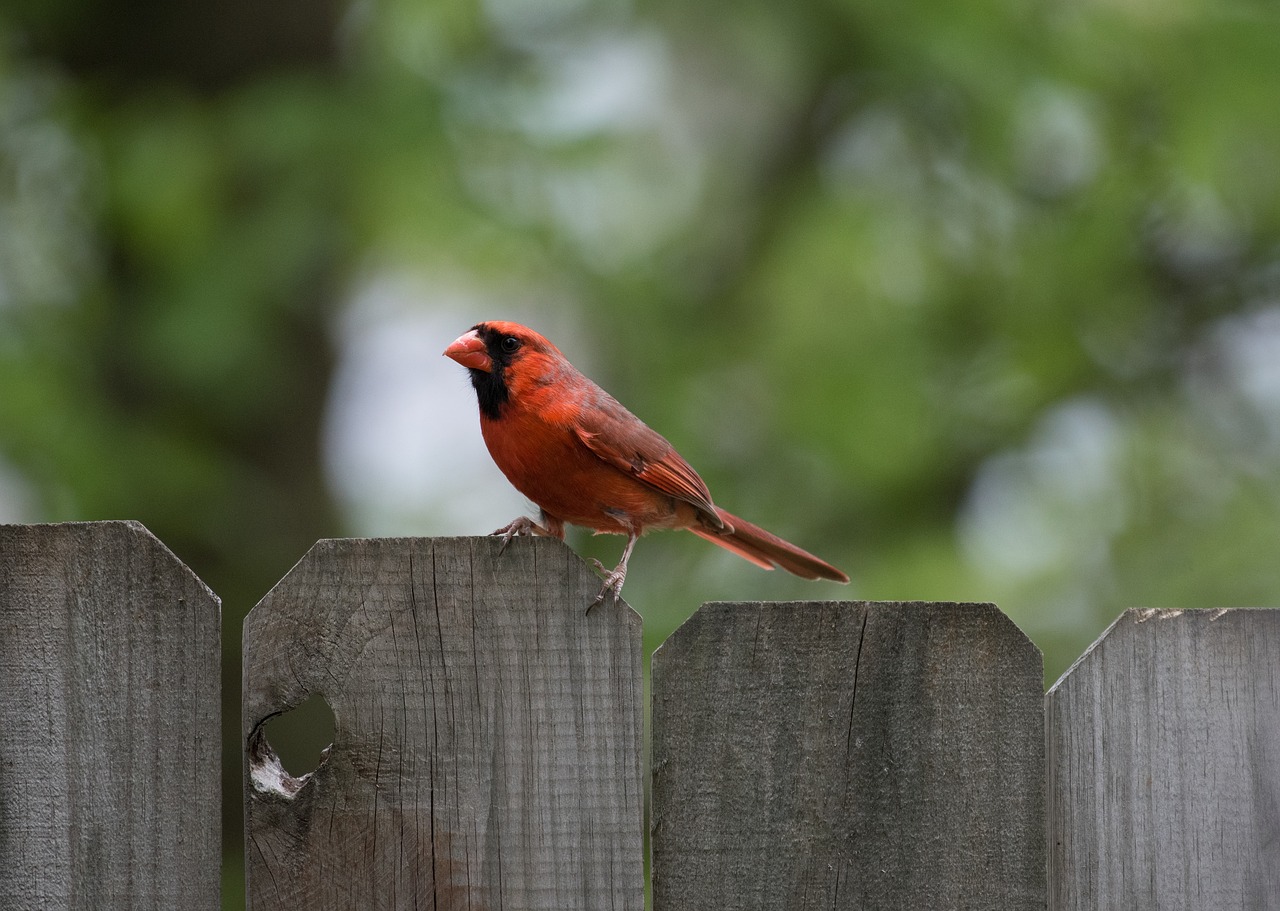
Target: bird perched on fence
<point x="572" y="449"/>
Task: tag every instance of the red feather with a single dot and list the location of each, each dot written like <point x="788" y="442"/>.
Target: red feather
<point x="584" y="459"/>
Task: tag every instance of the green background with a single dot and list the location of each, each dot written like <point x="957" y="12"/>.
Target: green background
<point x="977" y="301"/>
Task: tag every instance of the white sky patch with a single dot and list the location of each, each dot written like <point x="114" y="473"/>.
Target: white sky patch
<point x="402" y="446"/>
<point x="46" y="252"/>
<point x="1054" y="503"/>
<point x="612" y="161"/>
<point x="525" y="22"/>
<point x="612" y="84"/>
<point x="1233" y="387"/>
<point x="1250" y="346"/>
<point x="1058" y="145"/>
<point x="17" y="497"/>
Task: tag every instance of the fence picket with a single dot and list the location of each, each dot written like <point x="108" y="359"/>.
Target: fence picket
<point x="847" y="756"/>
<point x="487" y="751"/>
<point x="110" y="795"/>
<point x="1164" y="765"/>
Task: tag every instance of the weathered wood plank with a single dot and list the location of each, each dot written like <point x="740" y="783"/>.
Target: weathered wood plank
<point x="109" y="722"/>
<point x="848" y="756"/>
<point x="487" y="751"/>
<point x="1164" y="765"/>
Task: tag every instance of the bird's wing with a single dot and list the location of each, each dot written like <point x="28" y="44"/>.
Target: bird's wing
<point x="618" y="437"/>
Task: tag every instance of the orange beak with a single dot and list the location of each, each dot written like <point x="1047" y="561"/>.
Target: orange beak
<point x="469" y="350"/>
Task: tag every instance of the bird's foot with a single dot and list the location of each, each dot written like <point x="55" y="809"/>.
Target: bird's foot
<point x="518" y="527"/>
<point x="522" y="525"/>
<point x="612" y="583"/>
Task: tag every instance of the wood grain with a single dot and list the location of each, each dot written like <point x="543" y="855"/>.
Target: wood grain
<point x="109" y="722"/>
<point x="487" y="751"/>
<point x="848" y="756"/>
<point x="1164" y="765"/>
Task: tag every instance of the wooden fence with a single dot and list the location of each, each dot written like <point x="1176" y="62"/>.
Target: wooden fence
<point x="488" y="744"/>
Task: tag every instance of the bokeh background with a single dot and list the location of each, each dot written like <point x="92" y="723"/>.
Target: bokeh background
<point x="978" y="301"/>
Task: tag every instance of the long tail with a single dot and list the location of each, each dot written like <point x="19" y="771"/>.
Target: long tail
<point x="766" y="549"/>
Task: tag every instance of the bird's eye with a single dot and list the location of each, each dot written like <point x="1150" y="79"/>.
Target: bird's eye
<point x="510" y="343"/>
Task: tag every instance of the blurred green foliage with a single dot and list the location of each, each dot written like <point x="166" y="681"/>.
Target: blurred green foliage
<point x="981" y="302"/>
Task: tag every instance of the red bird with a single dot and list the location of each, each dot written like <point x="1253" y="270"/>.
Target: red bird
<point x="571" y="448"/>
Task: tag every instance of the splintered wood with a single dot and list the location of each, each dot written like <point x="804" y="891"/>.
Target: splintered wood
<point x="1164" y="765"/>
<point x="487" y="751"/>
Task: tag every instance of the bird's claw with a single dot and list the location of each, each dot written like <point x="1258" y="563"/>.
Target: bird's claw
<point x="518" y="527"/>
<point x="612" y="584"/>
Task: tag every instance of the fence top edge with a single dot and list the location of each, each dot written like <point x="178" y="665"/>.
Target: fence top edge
<point x="878" y="607"/>
<point x="341" y="545"/>
<point x="1137" y="616"/>
<point x="490" y="540"/>
<point x="79" y="525"/>
<point x="121" y="528"/>
<point x="847" y="603"/>
<point x="317" y="547"/>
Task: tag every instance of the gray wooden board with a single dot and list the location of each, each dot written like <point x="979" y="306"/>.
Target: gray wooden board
<point x="848" y="756"/>
<point x="487" y="746"/>
<point x="109" y="722"/>
<point x="1164" y="765"/>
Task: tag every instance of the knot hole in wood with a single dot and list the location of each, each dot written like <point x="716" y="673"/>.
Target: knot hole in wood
<point x="287" y="747"/>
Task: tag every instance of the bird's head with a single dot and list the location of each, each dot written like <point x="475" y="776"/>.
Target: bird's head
<point x="497" y="354"/>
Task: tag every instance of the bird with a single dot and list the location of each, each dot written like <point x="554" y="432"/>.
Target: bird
<point x="585" y="460"/>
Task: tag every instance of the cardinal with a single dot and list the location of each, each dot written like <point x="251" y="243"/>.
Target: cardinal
<point x="585" y="460"/>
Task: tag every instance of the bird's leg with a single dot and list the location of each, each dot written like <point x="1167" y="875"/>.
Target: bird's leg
<point x="523" y="525"/>
<point x="613" y="581"/>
